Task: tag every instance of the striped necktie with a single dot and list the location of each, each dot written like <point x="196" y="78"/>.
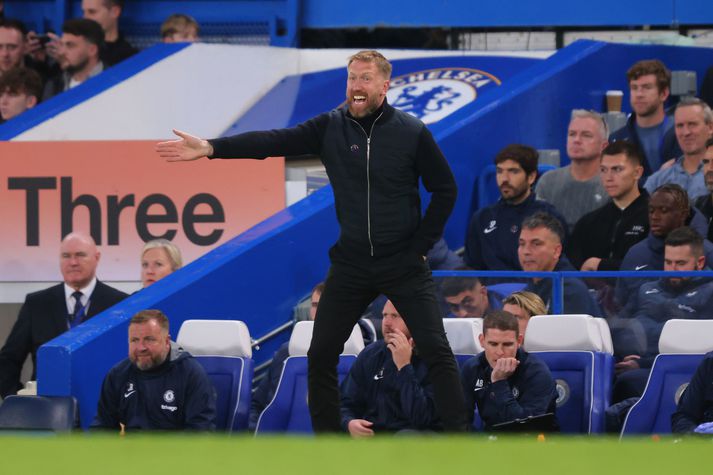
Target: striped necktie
<point x="79" y="310"/>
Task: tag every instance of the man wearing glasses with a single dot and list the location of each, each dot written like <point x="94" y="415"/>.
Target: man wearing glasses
<point x="467" y="297"/>
<point x="601" y="238"/>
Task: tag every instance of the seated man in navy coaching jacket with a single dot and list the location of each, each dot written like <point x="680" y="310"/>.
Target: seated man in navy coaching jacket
<point x="661" y="300"/>
<point x="387" y="389"/>
<point x="49" y="313"/>
<point x="504" y="381"/>
<point x="158" y="387"/>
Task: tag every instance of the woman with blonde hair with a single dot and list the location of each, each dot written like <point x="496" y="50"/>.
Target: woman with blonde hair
<point x="159" y="258"/>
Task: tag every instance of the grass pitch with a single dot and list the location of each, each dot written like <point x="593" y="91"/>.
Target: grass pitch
<point x="438" y="455"/>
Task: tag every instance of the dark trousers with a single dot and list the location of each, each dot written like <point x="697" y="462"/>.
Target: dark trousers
<point x="350" y="286"/>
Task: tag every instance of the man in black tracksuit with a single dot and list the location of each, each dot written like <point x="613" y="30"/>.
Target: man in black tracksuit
<point x="374" y="156"/>
<point x="601" y="239"/>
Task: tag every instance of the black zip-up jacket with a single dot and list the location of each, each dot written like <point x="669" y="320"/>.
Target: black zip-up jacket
<point x="705" y="206"/>
<point x="374" y="175"/>
<point x="609" y="232"/>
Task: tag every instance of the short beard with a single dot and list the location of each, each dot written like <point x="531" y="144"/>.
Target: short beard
<point x="74" y="69"/>
<point x="515" y="198"/>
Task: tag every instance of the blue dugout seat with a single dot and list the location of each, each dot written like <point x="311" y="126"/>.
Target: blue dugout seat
<point x="39" y="413"/>
<point x="577" y="350"/>
<point x="288" y="411"/>
<point x="462" y="334"/>
<point x="223" y="348"/>
<point x="682" y="346"/>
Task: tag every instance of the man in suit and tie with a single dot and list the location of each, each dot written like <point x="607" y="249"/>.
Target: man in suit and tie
<point x="48" y="313"/>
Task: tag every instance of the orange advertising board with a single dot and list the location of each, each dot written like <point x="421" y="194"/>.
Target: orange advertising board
<point x="123" y="194"/>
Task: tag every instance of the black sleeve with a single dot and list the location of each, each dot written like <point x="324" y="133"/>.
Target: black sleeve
<point x="303" y="139"/>
<point x="353" y="388"/>
<point x="576" y="249"/>
<point x="689" y="413"/>
<point x="13" y="355"/>
<point x="438" y="180"/>
<point x="473" y="246"/>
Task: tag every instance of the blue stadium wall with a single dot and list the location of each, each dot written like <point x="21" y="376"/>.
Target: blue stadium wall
<point x="258" y="276"/>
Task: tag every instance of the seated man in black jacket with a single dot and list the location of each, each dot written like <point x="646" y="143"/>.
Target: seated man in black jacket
<point x="387" y="388"/>
<point x="504" y="381"/>
<point x="601" y="239"/>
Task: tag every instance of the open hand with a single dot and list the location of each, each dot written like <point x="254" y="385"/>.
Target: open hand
<point x="187" y="148"/>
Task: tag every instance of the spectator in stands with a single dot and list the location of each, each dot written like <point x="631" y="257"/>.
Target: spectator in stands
<point x="669" y="209"/>
<point x="159" y="258"/>
<point x="704" y="203"/>
<point x="179" y="28"/>
<point x="540" y="250"/>
<point x="81" y="44"/>
<point x="268" y="384"/>
<point x="50" y="312"/>
<point x="387" y="388"/>
<point x="504" y="381"/>
<point x="107" y="13"/>
<point x="468" y="297"/>
<point x="576" y="189"/>
<point x="601" y="238"/>
<point x="491" y="240"/>
<point x="648" y="127"/>
<point x="20" y="89"/>
<point x="657" y="302"/>
<point x="12" y="44"/>
<point x="695" y="407"/>
<point x="158" y="387"/>
<point x="693" y="122"/>
<point x="524" y="305"/>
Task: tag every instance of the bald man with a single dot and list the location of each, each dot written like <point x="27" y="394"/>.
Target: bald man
<point x="48" y="313"/>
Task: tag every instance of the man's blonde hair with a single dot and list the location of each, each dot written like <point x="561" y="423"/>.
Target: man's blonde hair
<point x="371" y="56"/>
<point x="528" y="301"/>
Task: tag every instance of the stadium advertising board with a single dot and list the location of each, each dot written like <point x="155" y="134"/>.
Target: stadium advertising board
<point x="123" y="194"/>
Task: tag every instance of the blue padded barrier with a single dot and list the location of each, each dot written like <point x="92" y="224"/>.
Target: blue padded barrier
<point x="652" y="413"/>
<point x="577" y="387"/>
<point x="288" y="411"/>
<point x="232" y="378"/>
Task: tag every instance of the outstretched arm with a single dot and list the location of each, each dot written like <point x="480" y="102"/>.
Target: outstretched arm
<point x="187" y="148"/>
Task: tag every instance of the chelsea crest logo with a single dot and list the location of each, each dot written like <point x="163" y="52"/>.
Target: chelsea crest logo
<point x="434" y="94"/>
